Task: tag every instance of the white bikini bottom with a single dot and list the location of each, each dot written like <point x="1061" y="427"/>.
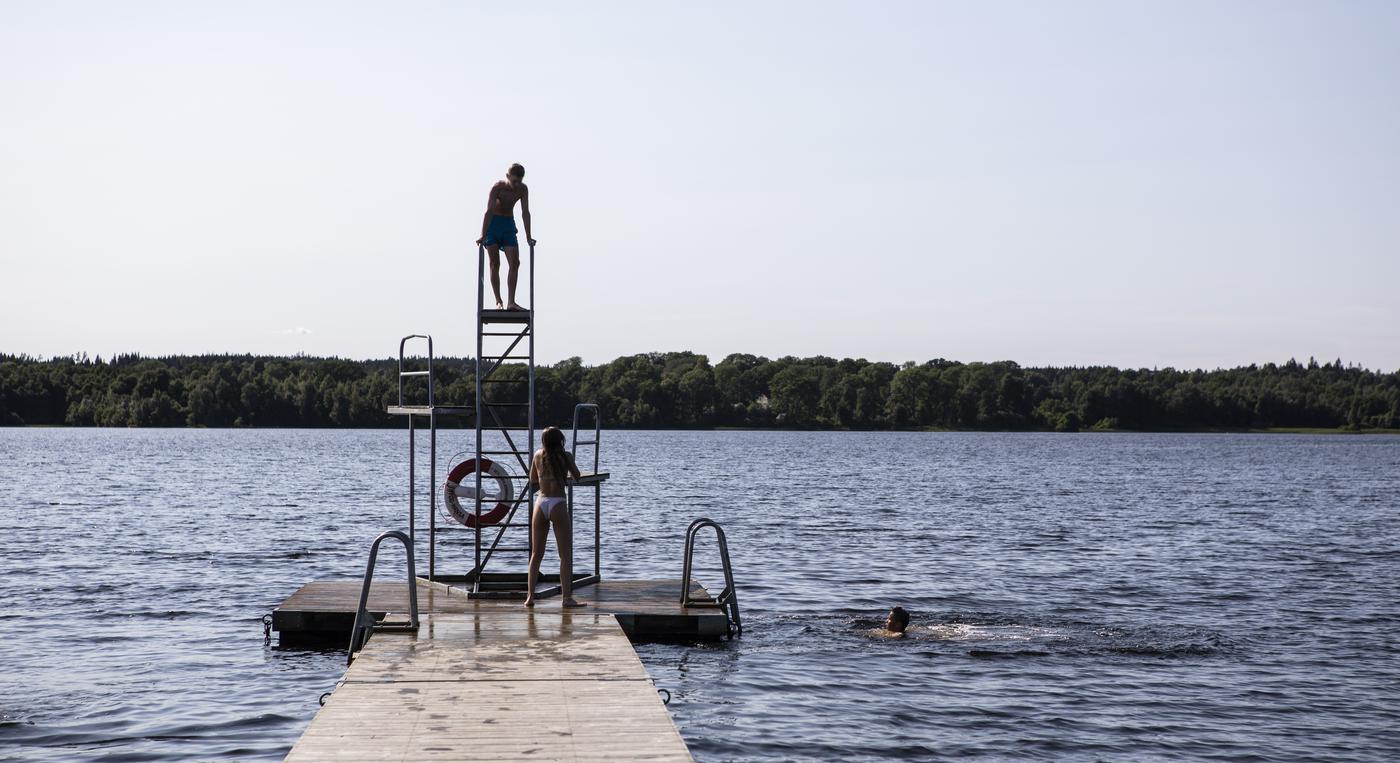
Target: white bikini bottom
<point x="548" y="504"/>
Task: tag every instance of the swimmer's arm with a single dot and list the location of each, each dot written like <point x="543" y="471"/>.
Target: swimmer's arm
<point x="534" y="480"/>
<point x="525" y="211"/>
<point x="573" y="467"/>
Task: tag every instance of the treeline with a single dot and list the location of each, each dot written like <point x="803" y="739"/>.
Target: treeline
<point x="684" y="390"/>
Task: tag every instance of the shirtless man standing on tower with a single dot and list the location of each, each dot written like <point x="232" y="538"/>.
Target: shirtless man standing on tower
<point x="498" y="230"/>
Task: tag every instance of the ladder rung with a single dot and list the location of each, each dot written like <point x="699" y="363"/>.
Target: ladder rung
<point x="413" y="373"/>
<point x="504" y="453"/>
<point x="505" y="405"/>
<point x="505" y="357"/>
<point x="506" y="333"/>
<point x="460" y="529"/>
<point x="585" y="442"/>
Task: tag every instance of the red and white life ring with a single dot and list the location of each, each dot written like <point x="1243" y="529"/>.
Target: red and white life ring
<point x="459" y="492"/>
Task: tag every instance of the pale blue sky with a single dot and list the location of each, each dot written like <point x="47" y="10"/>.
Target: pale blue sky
<point x="1136" y="184"/>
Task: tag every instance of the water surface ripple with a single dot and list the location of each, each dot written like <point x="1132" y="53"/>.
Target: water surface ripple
<point x="1090" y="596"/>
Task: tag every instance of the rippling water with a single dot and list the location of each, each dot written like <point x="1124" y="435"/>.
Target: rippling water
<point x="1108" y="596"/>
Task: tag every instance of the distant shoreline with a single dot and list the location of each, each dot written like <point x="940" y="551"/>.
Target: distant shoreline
<point x="1341" y="431"/>
<point x="684" y="391"/>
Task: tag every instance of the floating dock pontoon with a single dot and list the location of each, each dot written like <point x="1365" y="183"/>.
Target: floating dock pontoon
<point x="452" y="666"/>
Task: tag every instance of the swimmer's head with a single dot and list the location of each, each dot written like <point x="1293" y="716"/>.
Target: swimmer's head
<point x="516" y="172"/>
<point x="897" y="621"/>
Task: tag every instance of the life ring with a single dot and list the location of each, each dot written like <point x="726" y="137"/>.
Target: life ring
<point x="460" y="488"/>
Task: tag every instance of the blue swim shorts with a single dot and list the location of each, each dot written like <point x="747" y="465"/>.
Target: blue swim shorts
<point x="501" y="231"/>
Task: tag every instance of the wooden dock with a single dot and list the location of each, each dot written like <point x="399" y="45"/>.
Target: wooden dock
<point x="486" y="679"/>
<point x="479" y="677"/>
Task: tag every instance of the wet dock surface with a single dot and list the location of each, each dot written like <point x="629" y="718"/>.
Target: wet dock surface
<point x="554" y="684"/>
<point x="487" y="679"/>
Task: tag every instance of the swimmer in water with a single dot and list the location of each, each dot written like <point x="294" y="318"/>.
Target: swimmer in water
<point x="897" y="621"/>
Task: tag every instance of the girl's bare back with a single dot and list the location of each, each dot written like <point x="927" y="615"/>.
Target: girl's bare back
<point x="551" y="485"/>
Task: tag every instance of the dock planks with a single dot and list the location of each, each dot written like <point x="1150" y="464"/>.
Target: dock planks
<point x="550" y="684"/>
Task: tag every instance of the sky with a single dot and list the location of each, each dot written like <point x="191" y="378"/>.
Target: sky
<point x="1147" y="184"/>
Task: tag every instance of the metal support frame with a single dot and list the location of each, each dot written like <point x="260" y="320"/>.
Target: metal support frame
<point x="728" y="599"/>
<point x="413" y="450"/>
<point x="502" y="416"/>
<point x="489" y="414"/>
<point x="364" y="623"/>
<point x="432" y="411"/>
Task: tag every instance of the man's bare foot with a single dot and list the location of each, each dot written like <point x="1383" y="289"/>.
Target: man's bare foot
<point x="572" y="603"/>
<point x="530" y="602"/>
<point x="514" y="306"/>
<point x="500" y="305"/>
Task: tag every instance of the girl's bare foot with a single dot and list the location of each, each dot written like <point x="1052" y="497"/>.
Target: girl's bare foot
<point x="499" y="305"/>
<point x="530" y="602"/>
<point x="514" y="306"/>
<point x="572" y="603"/>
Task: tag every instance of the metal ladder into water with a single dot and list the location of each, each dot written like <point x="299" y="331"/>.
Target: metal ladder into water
<point x="728" y="599"/>
<point x="365" y="623"/>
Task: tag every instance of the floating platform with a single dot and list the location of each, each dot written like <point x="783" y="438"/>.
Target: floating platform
<point x="323" y="612"/>
<point x="465" y="671"/>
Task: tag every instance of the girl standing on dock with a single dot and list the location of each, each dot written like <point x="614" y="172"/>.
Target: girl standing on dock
<point x="550" y="468"/>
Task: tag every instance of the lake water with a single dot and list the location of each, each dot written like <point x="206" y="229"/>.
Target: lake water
<point x="1085" y="596"/>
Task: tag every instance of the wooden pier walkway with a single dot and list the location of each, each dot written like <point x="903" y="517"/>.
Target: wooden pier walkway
<point x="490" y="680"/>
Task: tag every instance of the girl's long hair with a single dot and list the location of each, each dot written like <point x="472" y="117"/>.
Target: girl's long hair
<point x="554" y="453"/>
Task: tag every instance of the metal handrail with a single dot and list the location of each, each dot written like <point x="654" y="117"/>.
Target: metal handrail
<point x="597" y="487"/>
<point x="728" y="599"/>
<point x="412" y="452"/>
<point x="364" y="623"/>
<point x="597" y="432"/>
<point x="428" y="373"/>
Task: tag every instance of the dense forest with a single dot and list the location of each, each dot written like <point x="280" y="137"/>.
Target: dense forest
<point x="683" y="390"/>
